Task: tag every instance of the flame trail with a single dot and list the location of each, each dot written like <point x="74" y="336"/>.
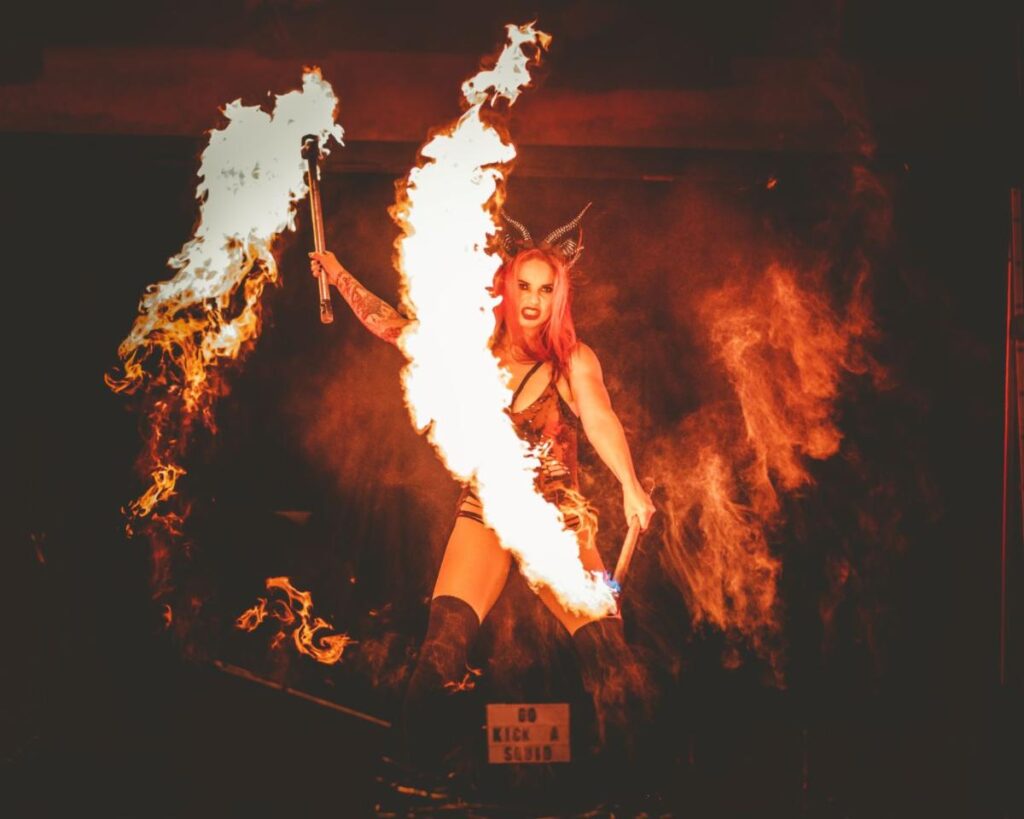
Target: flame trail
<point x="452" y="383"/>
<point x="208" y="313"/>
<point x="324" y="648"/>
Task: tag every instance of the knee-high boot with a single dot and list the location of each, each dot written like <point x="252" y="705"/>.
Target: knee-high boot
<point x="432" y="697"/>
<point x="615" y="680"/>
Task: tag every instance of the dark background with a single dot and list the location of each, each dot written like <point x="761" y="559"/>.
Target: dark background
<point x="672" y="123"/>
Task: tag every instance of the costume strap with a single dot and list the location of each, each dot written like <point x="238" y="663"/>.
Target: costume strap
<point x="522" y="383"/>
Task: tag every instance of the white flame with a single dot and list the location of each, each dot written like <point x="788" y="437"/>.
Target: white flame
<point x="252" y="174"/>
<point x="453" y="383"/>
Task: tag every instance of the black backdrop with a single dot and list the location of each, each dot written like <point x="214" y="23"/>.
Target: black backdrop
<point x="892" y="707"/>
<point x="899" y="705"/>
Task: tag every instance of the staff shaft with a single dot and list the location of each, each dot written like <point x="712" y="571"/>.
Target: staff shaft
<point x="311" y="153"/>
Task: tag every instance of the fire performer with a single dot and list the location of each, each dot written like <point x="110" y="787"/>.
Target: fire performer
<point x="559" y="384"/>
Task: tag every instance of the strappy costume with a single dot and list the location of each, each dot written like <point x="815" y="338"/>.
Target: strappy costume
<point x="551" y="427"/>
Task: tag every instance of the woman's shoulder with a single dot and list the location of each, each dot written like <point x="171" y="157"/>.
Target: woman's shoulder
<point x="582" y="358"/>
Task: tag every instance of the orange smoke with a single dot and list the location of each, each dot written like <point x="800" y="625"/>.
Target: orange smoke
<point x="784" y="351"/>
<point x="296" y="607"/>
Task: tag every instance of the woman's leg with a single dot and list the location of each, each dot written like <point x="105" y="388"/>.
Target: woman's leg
<point x="609" y="671"/>
<point x="591" y="560"/>
<point x="474" y="568"/>
<point x="473" y="571"/>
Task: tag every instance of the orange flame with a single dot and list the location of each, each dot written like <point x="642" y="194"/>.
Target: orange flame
<point x="467" y="683"/>
<point x="784" y="350"/>
<point x="250" y="619"/>
<point x="453" y="386"/>
<point x="251" y="176"/>
<point x="191" y="325"/>
<point x="296" y="606"/>
<point x="165" y="478"/>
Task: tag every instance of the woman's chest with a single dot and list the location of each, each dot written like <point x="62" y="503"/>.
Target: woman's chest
<point x="532" y="383"/>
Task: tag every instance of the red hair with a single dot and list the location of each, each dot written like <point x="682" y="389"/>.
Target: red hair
<point x="557" y="339"/>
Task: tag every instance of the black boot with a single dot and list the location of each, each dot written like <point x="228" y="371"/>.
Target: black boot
<point x="617" y="683"/>
<point x="432" y="700"/>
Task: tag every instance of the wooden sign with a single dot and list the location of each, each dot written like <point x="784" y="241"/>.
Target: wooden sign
<point x="528" y="733"/>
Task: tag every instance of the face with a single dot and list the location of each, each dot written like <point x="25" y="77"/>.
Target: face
<point x="535" y="286"/>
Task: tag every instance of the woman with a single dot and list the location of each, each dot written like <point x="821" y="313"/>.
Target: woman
<point x="558" y="384"/>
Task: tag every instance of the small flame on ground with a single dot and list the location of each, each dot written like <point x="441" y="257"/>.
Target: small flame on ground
<point x="453" y="385"/>
<point x="296" y="607"/>
<point x="251" y="619"/>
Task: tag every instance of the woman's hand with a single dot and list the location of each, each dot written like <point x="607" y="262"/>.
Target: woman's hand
<point x="636" y="503"/>
<point x="328" y="264"/>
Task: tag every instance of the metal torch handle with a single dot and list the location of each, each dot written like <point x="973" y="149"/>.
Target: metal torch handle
<point x="626" y="555"/>
<point x="311" y="153"/>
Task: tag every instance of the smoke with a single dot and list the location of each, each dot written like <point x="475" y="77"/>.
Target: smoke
<point x="354" y="430"/>
<point x="732" y="312"/>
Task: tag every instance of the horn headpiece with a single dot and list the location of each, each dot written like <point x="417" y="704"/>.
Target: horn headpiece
<point x="566" y="241"/>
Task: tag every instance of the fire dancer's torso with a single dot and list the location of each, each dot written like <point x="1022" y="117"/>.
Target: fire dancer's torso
<point x="548" y="423"/>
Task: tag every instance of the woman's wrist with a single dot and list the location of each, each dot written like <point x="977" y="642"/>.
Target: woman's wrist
<point x="334" y="276"/>
<point x="632" y="484"/>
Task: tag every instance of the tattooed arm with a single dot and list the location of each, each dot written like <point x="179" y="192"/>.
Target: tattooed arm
<point x="377" y="316"/>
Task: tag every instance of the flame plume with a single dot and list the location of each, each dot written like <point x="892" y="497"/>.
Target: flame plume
<point x="784" y="361"/>
<point x="208" y="313"/>
<point x="298" y="605"/>
<point x="453" y="385"/>
<point x="784" y="351"/>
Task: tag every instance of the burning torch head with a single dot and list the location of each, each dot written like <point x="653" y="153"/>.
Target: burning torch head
<point x="311" y="147"/>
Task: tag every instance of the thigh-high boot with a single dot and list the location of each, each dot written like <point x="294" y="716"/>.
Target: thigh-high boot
<point x="617" y="683"/>
<point x="432" y="700"/>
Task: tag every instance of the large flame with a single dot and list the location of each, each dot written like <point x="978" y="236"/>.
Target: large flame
<point x="453" y="384"/>
<point x="296" y="606"/>
<point x="784" y="351"/>
<point x="251" y="176"/>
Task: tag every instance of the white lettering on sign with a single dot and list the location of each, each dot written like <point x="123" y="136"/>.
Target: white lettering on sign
<point x="521" y="733"/>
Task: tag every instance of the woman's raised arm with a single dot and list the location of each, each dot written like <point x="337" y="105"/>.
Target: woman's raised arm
<point x="376" y="315"/>
<point x="605" y="433"/>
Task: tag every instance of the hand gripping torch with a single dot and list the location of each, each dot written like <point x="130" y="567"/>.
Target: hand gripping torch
<point x="311" y="153"/>
<point x="626" y="555"/>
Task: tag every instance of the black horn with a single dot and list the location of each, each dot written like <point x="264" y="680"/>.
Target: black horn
<point x="553" y="238"/>
<point x="570" y="247"/>
<point x="511" y="244"/>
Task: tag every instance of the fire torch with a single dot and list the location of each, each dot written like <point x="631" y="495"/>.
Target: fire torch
<point x="311" y="153"/>
<point x="626" y="555"/>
